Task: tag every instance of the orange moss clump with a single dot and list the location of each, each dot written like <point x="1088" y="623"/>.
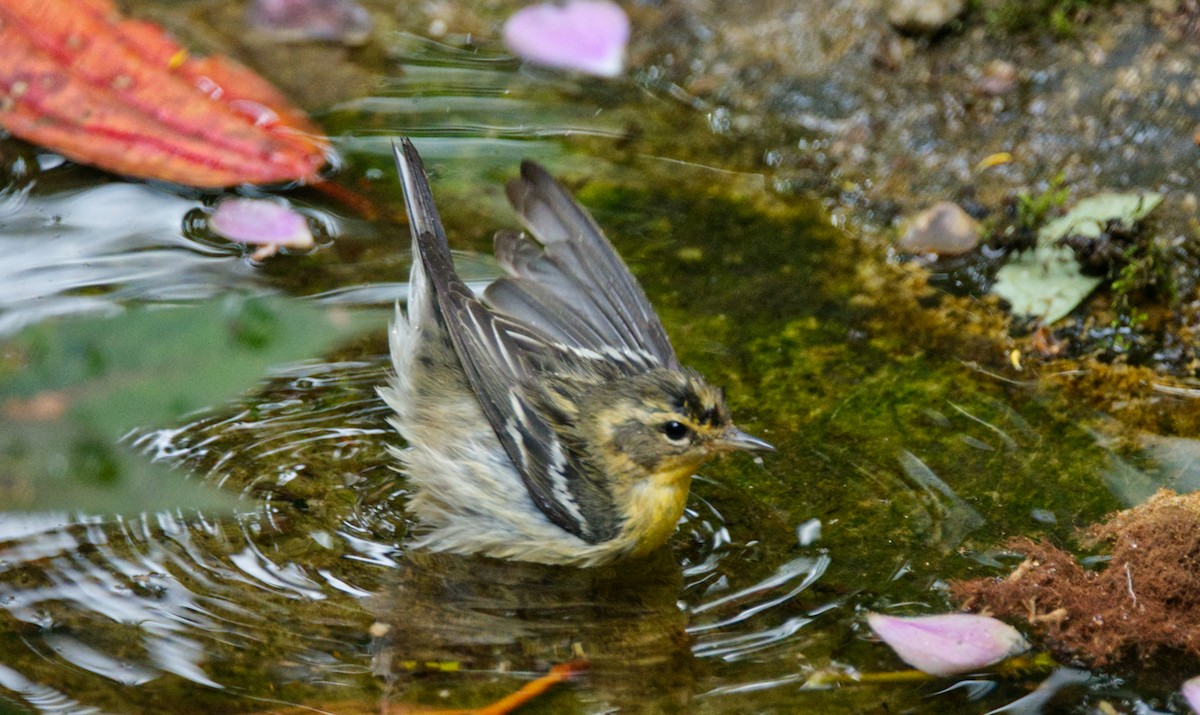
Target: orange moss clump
<point x="1144" y="599"/>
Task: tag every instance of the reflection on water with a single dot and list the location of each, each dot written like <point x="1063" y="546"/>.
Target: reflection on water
<point x="91" y="250"/>
<point x="487" y="616"/>
<point x="311" y="596"/>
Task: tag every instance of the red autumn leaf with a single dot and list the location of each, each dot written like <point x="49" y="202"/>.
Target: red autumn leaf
<point x="121" y="95"/>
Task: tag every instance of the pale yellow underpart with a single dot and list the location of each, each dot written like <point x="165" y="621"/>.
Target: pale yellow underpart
<point x="655" y="506"/>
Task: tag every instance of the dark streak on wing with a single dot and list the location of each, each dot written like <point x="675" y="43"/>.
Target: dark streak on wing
<point x="576" y="289"/>
<point x="496" y="354"/>
<point x="535" y="302"/>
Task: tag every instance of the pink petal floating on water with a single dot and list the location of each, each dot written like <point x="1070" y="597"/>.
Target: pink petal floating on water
<point x="1191" y="693"/>
<point x="950" y="643"/>
<point x="260" y="222"/>
<point x="584" y="35"/>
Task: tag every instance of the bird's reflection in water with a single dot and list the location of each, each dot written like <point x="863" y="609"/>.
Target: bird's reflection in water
<point x="479" y="614"/>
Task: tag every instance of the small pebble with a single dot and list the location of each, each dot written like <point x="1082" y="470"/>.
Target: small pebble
<point x="999" y="77"/>
<point x="1043" y="516"/>
<point x="889" y="53"/>
<point x="378" y="629"/>
<point x="945" y="229"/>
<point x="922" y="17"/>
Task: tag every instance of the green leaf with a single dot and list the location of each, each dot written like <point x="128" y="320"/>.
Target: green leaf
<point x="71" y="389"/>
<point x="1089" y="217"/>
<point x="1044" y="282"/>
<point x="1047" y="282"/>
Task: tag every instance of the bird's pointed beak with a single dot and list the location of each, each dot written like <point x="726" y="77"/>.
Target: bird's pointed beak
<point x="734" y="438"/>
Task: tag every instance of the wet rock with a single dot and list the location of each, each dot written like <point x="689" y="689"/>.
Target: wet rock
<point x="944" y="229"/>
<point x="922" y="17"/>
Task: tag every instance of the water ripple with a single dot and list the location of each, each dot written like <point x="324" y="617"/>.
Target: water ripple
<point x="91" y="250"/>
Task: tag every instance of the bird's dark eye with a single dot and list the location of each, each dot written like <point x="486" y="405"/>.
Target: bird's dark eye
<point x="675" y="431"/>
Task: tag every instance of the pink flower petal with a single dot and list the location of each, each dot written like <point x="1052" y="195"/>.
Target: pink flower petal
<point x="260" y="221"/>
<point x="584" y="35"/>
<point x="950" y="643"/>
<point x="1191" y="693"/>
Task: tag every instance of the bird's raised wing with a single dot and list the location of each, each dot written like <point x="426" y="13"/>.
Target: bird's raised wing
<point x="500" y="357"/>
<point x="573" y="287"/>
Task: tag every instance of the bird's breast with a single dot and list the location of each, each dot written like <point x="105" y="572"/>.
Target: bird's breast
<point x="654" y="506"/>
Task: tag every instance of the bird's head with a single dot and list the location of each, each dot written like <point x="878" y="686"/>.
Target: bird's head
<point x="664" y="424"/>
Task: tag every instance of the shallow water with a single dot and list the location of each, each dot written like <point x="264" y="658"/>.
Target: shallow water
<point x="898" y="467"/>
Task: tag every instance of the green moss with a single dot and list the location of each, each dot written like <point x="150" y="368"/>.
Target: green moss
<point x="1033" y="209"/>
<point x="1139" y="397"/>
<point x="1059" y="18"/>
<point x="865" y="410"/>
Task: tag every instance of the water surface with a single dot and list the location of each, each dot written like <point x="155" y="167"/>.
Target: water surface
<point x="901" y="464"/>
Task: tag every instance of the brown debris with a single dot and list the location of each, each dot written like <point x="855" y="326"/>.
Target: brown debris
<point x="1046" y="344"/>
<point x="1142" y="601"/>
